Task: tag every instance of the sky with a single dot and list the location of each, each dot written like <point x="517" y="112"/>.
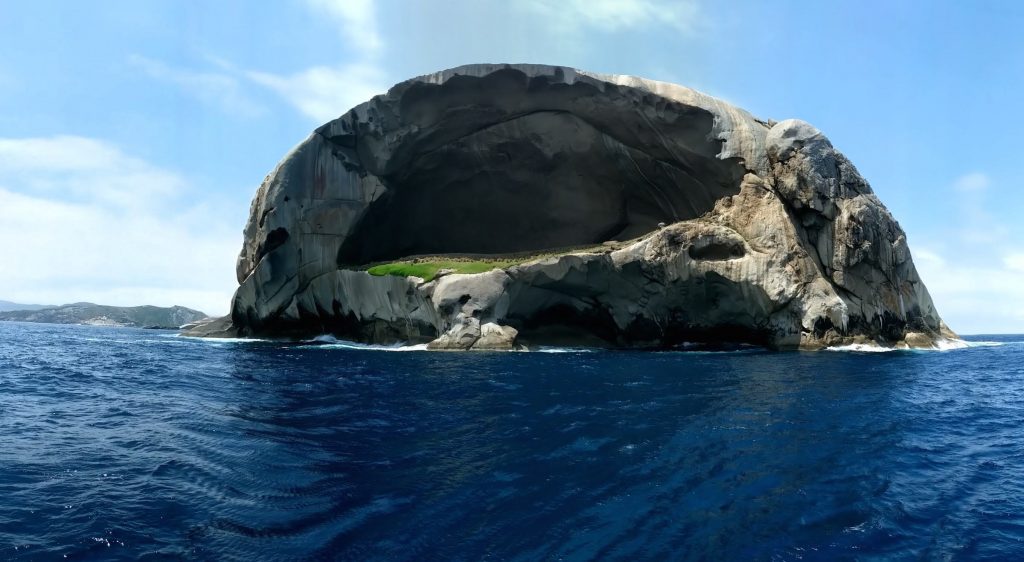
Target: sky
<point x="134" y="133"/>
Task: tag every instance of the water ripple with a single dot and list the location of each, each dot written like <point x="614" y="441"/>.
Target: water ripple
<point x="132" y="444"/>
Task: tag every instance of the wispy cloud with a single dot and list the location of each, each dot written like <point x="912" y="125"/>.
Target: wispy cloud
<point x="977" y="223"/>
<point x="618" y="15"/>
<point x="974" y="297"/>
<point x="92" y="223"/>
<point x="974" y="181"/>
<point x="82" y="169"/>
<point x="322" y="92"/>
<point x="326" y="92"/>
<point x="221" y="89"/>
<point x="357" y="21"/>
<point x="1014" y="262"/>
<point x="971" y="271"/>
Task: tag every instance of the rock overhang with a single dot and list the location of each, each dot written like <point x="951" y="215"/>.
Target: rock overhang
<point x="507" y="162"/>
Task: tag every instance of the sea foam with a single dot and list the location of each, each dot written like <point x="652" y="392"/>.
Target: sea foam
<point x="944" y="344"/>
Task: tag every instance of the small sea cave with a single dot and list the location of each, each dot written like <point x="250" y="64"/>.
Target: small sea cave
<point x="515" y="167"/>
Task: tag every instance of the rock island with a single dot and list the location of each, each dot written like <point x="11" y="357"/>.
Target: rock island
<point x="503" y="206"/>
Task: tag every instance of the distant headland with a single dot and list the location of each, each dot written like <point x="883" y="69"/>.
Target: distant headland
<point x="87" y="313"/>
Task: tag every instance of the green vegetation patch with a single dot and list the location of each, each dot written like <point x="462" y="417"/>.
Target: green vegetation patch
<point x="427" y="270"/>
<point x="426" y="267"/>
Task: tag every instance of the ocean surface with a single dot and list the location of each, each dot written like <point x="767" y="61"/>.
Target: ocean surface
<point x="139" y="445"/>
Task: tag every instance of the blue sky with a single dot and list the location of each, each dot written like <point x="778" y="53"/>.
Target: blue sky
<point x="135" y="132"/>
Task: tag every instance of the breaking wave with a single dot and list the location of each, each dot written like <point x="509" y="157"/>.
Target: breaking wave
<point x="940" y="345"/>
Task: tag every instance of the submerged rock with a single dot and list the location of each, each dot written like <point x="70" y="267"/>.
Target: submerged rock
<point x="658" y="215"/>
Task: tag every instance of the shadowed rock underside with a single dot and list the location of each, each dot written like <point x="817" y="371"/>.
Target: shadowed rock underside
<point x="700" y="223"/>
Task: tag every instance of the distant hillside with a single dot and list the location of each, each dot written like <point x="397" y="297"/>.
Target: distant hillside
<point x="8" y="305"/>
<point x="100" y="315"/>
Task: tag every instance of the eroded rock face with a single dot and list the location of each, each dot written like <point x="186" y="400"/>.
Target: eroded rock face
<point x="727" y="227"/>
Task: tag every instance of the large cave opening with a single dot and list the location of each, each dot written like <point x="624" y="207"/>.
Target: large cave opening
<point x="554" y="174"/>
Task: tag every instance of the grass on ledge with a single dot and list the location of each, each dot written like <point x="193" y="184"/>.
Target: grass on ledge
<point x="426" y="267"/>
<point x="427" y="270"/>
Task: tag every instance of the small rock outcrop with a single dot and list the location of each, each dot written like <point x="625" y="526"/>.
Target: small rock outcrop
<point x="656" y="215"/>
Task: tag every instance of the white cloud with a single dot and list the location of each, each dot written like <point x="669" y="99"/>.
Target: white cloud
<point x="321" y="93"/>
<point x="324" y="93"/>
<point x="976" y="223"/>
<point x="971" y="266"/>
<point x="357" y="20"/>
<point x="79" y="169"/>
<point x="971" y="297"/>
<point x="618" y="15"/>
<point x="1014" y="262"/>
<point x="214" y="88"/>
<point x="975" y="181"/>
<point x="933" y="259"/>
<point x="85" y="221"/>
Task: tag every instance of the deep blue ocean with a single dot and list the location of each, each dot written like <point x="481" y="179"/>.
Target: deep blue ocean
<point x="135" y="444"/>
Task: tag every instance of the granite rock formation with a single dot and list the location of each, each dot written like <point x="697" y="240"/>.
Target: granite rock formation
<point x="660" y="215"/>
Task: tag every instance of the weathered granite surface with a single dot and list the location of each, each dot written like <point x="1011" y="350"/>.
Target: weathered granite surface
<point x="730" y="228"/>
